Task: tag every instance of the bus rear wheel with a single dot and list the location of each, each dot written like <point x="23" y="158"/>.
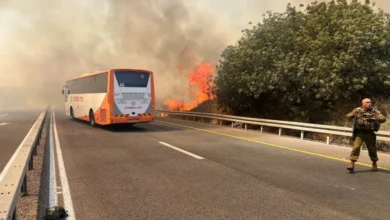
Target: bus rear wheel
<point x="92" y="119"/>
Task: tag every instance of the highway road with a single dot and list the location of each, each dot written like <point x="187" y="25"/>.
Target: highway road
<point x="171" y="171"/>
<point x="14" y="126"/>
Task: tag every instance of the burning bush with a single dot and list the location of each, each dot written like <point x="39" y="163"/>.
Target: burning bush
<point x="199" y="79"/>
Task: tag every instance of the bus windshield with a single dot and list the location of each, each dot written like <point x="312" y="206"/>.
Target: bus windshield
<point x="132" y="78"/>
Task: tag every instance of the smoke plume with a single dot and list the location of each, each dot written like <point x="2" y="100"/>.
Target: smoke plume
<point x="54" y="41"/>
<point x="43" y="43"/>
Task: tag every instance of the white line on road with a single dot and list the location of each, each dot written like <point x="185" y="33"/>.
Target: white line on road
<point x="183" y="151"/>
<point x="3" y="115"/>
<point x="53" y="198"/>
<point x="64" y="179"/>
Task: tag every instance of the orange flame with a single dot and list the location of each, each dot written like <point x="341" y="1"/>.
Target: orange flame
<point x="200" y="77"/>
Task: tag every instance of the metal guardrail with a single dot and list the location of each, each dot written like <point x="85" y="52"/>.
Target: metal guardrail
<point x="14" y="181"/>
<point x="302" y="127"/>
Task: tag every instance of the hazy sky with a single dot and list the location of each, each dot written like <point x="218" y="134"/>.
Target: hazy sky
<point x="43" y="42"/>
<point x="239" y="12"/>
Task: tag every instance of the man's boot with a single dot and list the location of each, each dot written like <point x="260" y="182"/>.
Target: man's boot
<point x="374" y="166"/>
<point x="351" y="166"/>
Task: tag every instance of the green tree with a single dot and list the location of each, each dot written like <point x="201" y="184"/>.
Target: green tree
<point x="298" y="63"/>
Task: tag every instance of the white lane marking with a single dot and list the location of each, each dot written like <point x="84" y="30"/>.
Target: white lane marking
<point x="3" y="115"/>
<point x="53" y="198"/>
<point x="64" y="179"/>
<point x="183" y="151"/>
<point x="348" y="187"/>
<point x="6" y="168"/>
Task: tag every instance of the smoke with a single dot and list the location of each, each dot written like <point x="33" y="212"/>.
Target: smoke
<point x="239" y="13"/>
<point x="53" y="41"/>
<point x="43" y="43"/>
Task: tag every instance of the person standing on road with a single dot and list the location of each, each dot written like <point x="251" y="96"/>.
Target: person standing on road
<point x="368" y="120"/>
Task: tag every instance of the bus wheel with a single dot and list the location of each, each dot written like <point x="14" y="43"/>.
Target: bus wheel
<point x="91" y="119"/>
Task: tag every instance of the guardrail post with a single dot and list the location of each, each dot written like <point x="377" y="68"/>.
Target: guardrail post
<point x="24" y="185"/>
<point x="31" y="162"/>
<point x="246" y="126"/>
<point x="220" y="123"/>
<point x="261" y="129"/>
<point x="327" y="139"/>
<point x="37" y="142"/>
<point x="232" y="124"/>
<point x="302" y="134"/>
<point x="39" y="135"/>
<point x="35" y="151"/>
<point x="280" y="131"/>
<point x="14" y="215"/>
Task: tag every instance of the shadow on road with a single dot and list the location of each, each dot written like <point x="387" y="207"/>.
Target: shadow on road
<point x="369" y="171"/>
<point x="141" y="127"/>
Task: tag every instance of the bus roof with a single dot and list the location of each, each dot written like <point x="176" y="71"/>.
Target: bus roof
<point x="107" y="70"/>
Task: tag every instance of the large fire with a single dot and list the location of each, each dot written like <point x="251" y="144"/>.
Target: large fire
<point x="201" y="78"/>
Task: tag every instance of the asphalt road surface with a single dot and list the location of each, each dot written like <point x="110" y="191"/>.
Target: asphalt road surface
<point x="163" y="171"/>
<point x="14" y="126"/>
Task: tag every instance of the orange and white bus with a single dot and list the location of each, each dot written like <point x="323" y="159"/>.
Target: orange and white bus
<point x="114" y="96"/>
